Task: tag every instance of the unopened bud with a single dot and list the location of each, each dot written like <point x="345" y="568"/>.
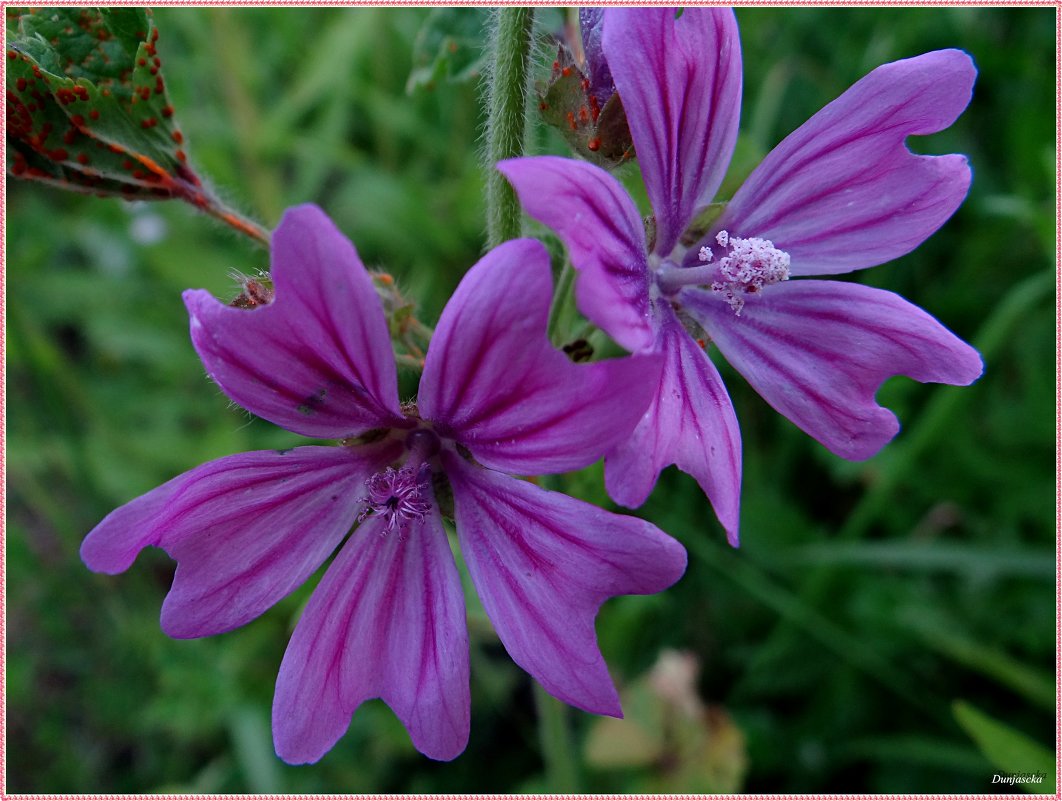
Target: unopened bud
<point x="580" y="101"/>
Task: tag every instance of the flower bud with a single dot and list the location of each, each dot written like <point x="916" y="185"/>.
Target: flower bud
<point x="580" y="99"/>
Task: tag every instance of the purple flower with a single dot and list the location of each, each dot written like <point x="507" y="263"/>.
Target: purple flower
<point x="839" y="194"/>
<point x="387" y="619"/>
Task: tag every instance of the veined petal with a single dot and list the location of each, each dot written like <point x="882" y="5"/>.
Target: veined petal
<point x="318" y="359"/>
<point x="543" y="564"/>
<point x="843" y="192"/>
<point x="493" y="382"/>
<point x="817" y="351"/>
<point x="690" y="423"/>
<point x="605" y="237"/>
<point x="680" y="82"/>
<point x="245" y="530"/>
<point x="388" y="622"/>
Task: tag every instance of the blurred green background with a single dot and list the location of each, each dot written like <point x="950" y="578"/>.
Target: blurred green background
<point x="886" y="626"/>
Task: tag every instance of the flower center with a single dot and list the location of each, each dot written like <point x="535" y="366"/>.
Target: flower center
<point x="401" y="496"/>
<point x="747" y="266"/>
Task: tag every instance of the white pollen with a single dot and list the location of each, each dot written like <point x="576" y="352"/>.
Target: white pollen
<point x="749" y="266"/>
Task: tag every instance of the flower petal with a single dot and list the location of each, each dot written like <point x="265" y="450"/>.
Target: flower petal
<point x="597" y="72"/>
<point x="843" y="192"/>
<point x="246" y="530"/>
<point x="493" y="382"/>
<point x="680" y="82"/>
<point x="604" y="234"/>
<point x="817" y="351"/>
<point x="388" y="622"/>
<point x="543" y="564"/>
<point x="689" y="423"/>
<point x="318" y="359"/>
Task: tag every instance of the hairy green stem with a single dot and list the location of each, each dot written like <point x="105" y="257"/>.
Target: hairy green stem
<point x="507" y="94"/>
<point x="238" y="222"/>
<point x="410" y="362"/>
<point x="422" y="330"/>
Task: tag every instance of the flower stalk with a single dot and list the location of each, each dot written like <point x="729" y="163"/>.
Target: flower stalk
<point x="237" y="222"/>
<point x="507" y="93"/>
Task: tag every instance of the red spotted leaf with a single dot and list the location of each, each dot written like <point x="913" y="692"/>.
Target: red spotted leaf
<point x="87" y="108"/>
<point x="87" y="97"/>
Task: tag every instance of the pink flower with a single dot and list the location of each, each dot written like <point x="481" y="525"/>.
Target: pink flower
<point x="387" y="619"/>
<point x="841" y="193"/>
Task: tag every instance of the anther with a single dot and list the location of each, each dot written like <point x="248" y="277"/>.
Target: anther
<point x="747" y="267"/>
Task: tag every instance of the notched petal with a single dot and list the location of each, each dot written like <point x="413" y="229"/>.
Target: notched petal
<point x="843" y="192"/>
<point x="388" y="622"/>
<point x="680" y="80"/>
<point x="494" y="383"/>
<point x="599" y="224"/>
<point x="690" y="423"/>
<point x="246" y="530"/>
<point x="818" y="351"/>
<point x="543" y="563"/>
<point x="317" y="359"/>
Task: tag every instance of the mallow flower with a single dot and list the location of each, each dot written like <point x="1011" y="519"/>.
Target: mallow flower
<point x="839" y="194"/>
<point x="387" y="619"/>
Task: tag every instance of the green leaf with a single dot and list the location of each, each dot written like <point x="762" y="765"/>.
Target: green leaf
<point x="88" y="108"/>
<point x="917" y="749"/>
<point x="1006" y="748"/>
<point x="448" y="48"/>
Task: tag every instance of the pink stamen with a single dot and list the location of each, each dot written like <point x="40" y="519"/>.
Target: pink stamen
<point x="400" y="496"/>
<point x="748" y="266"/>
